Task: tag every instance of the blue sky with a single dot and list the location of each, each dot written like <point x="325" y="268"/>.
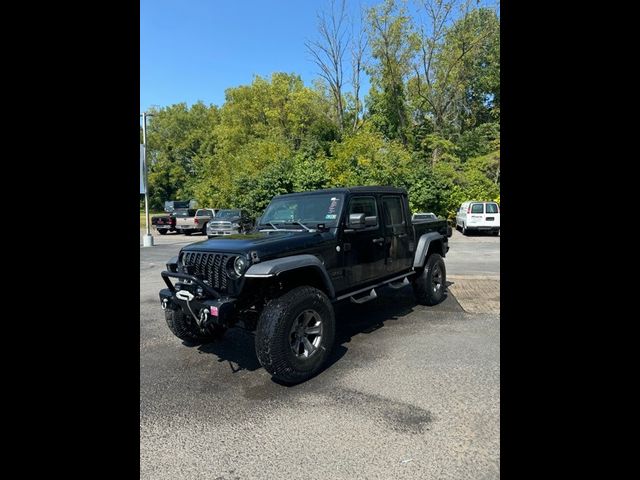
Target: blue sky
<point x="193" y="50"/>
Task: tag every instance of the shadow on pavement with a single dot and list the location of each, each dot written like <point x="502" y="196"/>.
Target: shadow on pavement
<point x="237" y="346"/>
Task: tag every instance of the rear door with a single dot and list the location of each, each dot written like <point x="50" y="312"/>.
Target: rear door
<point x="475" y="217"/>
<point x="492" y="214"/>
<point x="364" y="252"/>
<point x="396" y="234"/>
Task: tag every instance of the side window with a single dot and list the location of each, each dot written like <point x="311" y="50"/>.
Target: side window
<point x="393" y="211"/>
<point x="492" y="208"/>
<point x="477" y="208"/>
<point x="366" y="205"/>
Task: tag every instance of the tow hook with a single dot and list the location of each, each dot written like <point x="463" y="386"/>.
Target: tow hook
<point x="164" y="303"/>
<point x="204" y="317"/>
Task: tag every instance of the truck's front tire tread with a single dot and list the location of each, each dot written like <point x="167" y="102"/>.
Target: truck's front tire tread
<point x="272" y="335"/>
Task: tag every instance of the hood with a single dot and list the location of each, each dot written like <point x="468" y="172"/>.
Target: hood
<point x="266" y="244"/>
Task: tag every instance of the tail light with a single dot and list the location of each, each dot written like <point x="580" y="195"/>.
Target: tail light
<point x="469" y="209"/>
<point x="195" y="220"/>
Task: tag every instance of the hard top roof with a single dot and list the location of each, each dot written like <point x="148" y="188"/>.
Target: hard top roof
<point x="360" y="189"/>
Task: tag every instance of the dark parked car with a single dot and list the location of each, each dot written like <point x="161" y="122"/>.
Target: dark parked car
<point x="229" y="222"/>
<point x="309" y="251"/>
<point x="164" y="223"/>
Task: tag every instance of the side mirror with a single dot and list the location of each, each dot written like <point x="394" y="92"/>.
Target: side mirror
<point x="371" y="221"/>
<point x="356" y="220"/>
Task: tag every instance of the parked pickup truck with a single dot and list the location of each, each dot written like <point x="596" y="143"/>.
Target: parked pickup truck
<point x="164" y="223"/>
<point x="309" y="251"/>
<point x="189" y="221"/>
<point x="229" y="222"/>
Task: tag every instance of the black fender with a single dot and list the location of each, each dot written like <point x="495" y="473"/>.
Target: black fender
<point x="423" y="247"/>
<point x="277" y="266"/>
<point x="172" y="264"/>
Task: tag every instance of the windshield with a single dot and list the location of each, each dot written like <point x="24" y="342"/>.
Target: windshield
<point x="228" y="213"/>
<point x="307" y="209"/>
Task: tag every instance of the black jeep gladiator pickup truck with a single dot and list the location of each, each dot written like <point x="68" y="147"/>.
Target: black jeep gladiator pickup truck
<point x="308" y="251"/>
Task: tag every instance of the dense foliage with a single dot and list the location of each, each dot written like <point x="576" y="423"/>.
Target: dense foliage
<point x="430" y="122"/>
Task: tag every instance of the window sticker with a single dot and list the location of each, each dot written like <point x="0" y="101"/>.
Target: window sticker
<point x="330" y="216"/>
<point x="332" y="208"/>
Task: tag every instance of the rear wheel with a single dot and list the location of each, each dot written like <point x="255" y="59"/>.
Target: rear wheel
<point x="162" y="232"/>
<point x="185" y="328"/>
<point x="295" y="334"/>
<point x="429" y="285"/>
<point x="187" y="232"/>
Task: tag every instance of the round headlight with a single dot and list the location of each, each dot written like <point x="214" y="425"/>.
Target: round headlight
<point x="240" y="265"/>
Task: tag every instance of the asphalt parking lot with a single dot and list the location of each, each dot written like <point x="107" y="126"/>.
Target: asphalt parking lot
<point x="410" y="391"/>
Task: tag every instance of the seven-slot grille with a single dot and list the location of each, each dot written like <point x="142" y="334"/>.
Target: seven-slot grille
<point x="209" y="266"/>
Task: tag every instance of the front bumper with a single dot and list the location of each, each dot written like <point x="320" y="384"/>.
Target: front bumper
<point x="194" y="297"/>
<point x="483" y="227"/>
<point x="222" y="232"/>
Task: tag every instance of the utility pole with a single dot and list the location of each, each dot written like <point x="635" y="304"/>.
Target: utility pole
<point x="147" y="240"/>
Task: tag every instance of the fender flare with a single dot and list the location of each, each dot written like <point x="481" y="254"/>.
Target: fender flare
<point x="275" y="267"/>
<point x="423" y="247"/>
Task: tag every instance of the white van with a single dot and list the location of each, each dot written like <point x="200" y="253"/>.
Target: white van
<point x="478" y="216"/>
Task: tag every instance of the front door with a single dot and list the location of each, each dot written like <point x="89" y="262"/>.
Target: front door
<point x="363" y="248"/>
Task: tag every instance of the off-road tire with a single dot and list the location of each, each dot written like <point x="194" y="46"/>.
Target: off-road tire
<point x="185" y="328"/>
<point x="423" y="283"/>
<point x="273" y="347"/>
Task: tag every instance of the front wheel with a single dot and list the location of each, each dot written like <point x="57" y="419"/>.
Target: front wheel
<point x="430" y="285"/>
<point x="295" y="334"/>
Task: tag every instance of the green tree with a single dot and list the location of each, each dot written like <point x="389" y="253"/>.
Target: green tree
<point x="392" y="46"/>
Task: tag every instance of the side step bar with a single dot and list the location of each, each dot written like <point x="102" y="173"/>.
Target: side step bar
<point x="398" y="285"/>
<point x="372" y="296"/>
<point x="371" y="288"/>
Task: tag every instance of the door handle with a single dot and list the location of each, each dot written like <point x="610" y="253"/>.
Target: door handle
<point x="402" y="235"/>
<point x="378" y="240"/>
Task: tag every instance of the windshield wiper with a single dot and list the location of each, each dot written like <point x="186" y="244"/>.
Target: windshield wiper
<point x="271" y="224"/>
<point x="302" y="225"/>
